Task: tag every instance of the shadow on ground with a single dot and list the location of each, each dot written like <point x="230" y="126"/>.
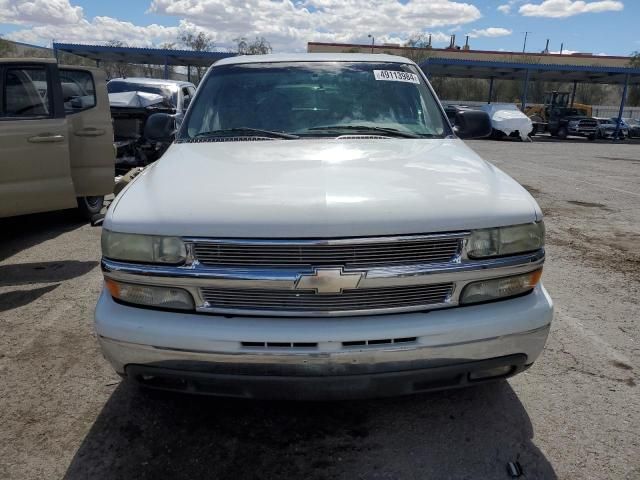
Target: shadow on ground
<point x="27" y="274"/>
<point x="469" y="433"/>
<point x="20" y="233"/>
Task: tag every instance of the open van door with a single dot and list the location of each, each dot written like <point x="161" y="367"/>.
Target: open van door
<point x="86" y="105"/>
<point x="35" y="170"/>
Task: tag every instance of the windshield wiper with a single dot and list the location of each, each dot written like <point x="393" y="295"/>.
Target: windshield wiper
<point x="254" y="132"/>
<point x="368" y="128"/>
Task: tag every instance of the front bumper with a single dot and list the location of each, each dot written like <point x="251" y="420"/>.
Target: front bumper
<point x="581" y="132"/>
<point x="209" y="353"/>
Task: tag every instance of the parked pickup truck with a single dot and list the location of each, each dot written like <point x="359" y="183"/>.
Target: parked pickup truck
<point x="568" y="121"/>
<point x="319" y="230"/>
<point x="56" y="139"/>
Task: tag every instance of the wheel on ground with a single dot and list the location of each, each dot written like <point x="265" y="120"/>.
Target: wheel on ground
<point x="562" y="132"/>
<point x="497" y="134"/>
<point x="592" y="137"/>
<point x="90" y="206"/>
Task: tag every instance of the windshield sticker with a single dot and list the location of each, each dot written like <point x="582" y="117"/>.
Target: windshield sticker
<point x="395" y="76"/>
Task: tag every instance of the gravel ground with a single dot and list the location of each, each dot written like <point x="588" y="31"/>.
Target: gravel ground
<point x="574" y="415"/>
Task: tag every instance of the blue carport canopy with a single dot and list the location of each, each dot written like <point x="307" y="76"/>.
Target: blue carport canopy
<point x="141" y="55"/>
<point x="525" y="72"/>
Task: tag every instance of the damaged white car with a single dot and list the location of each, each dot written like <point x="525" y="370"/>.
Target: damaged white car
<point x="508" y="121"/>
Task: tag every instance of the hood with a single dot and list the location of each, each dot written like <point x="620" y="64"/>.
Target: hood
<point x="319" y="188"/>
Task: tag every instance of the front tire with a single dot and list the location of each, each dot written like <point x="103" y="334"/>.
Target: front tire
<point x="90" y="206"/>
<point x="562" y="133"/>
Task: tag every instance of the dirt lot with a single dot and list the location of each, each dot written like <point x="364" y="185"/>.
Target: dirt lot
<point x="574" y="415"/>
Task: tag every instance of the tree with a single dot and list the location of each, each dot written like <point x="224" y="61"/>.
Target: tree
<point x="198" y="41"/>
<point x="6" y="48"/>
<point x="117" y="69"/>
<point x="417" y="46"/>
<point x="260" y="46"/>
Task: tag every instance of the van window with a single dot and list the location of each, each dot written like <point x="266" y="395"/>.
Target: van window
<point x="26" y="93"/>
<point x="78" y="90"/>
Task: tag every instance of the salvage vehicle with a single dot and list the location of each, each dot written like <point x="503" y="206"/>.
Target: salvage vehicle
<point x="633" y="124"/>
<point x="132" y="101"/>
<point x="56" y="138"/>
<point x="508" y="121"/>
<point x="451" y="111"/>
<point x="318" y="230"/>
<point x="540" y="114"/>
<point x="569" y="121"/>
<point x="607" y="128"/>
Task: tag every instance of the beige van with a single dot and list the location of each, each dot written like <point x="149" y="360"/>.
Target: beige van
<point x="56" y="138"/>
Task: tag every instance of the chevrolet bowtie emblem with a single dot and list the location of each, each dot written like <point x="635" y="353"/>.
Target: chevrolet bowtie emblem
<point x="328" y="280"/>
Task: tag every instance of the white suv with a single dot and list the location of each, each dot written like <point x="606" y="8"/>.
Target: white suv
<point x="319" y="230"/>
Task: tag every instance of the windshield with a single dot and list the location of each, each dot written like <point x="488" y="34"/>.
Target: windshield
<point x="168" y="93"/>
<point x="308" y="99"/>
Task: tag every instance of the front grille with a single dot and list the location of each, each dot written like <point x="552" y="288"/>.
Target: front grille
<point x="587" y="124"/>
<point x="347" y="253"/>
<point x="308" y="302"/>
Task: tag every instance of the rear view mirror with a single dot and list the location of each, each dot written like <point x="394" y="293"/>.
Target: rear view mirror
<point x="472" y="124"/>
<point x="160" y="127"/>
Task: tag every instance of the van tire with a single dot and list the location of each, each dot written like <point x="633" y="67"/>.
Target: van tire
<point x="90" y="206"/>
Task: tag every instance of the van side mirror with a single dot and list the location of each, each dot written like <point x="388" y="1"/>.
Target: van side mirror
<point x="472" y="124"/>
<point x="160" y="127"/>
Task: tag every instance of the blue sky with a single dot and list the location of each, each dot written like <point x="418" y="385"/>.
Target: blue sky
<point x="596" y="26"/>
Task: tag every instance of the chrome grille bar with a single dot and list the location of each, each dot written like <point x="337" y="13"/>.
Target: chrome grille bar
<point x="350" y="253"/>
<point x="292" y="301"/>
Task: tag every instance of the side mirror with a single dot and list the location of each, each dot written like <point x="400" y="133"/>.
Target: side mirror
<point x="160" y="127"/>
<point x="185" y="103"/>
<point x="472" y="124"/>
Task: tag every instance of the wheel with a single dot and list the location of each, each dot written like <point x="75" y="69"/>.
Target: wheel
<point x="592" y="137"/>
<point x="497" y="134"/>
<point x="89" y="206"/>
<point x="562" y="133"/>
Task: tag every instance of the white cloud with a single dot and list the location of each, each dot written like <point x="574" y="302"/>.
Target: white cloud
<point x="287" y="24"/>
<point x="565" y="52"/>
<point x="97" y="31"/>
<point x="508" y="6"/>
<point x="568" y="8"/>
<point x="39" y="12"/>
<point x="490" y="32"/>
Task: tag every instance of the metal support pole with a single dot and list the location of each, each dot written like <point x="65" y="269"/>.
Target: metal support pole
<point x="490" y="90"/>
<point x="621" y="112"/>
<point x="523" y="100"/>
<point x="573" y="94"/>
<point x="166" y="68"/>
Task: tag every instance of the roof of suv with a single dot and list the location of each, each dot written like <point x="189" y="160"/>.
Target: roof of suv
<point x="314" y="57"/>
<point x="151" y="81"/>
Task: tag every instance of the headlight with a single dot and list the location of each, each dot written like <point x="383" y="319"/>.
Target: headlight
<point x="499" y="287"/>
<point x="494" y="242"/>
<point x="573" y="124"/>
<point x="142" y="248"/>
<point x="152" y="296"/>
